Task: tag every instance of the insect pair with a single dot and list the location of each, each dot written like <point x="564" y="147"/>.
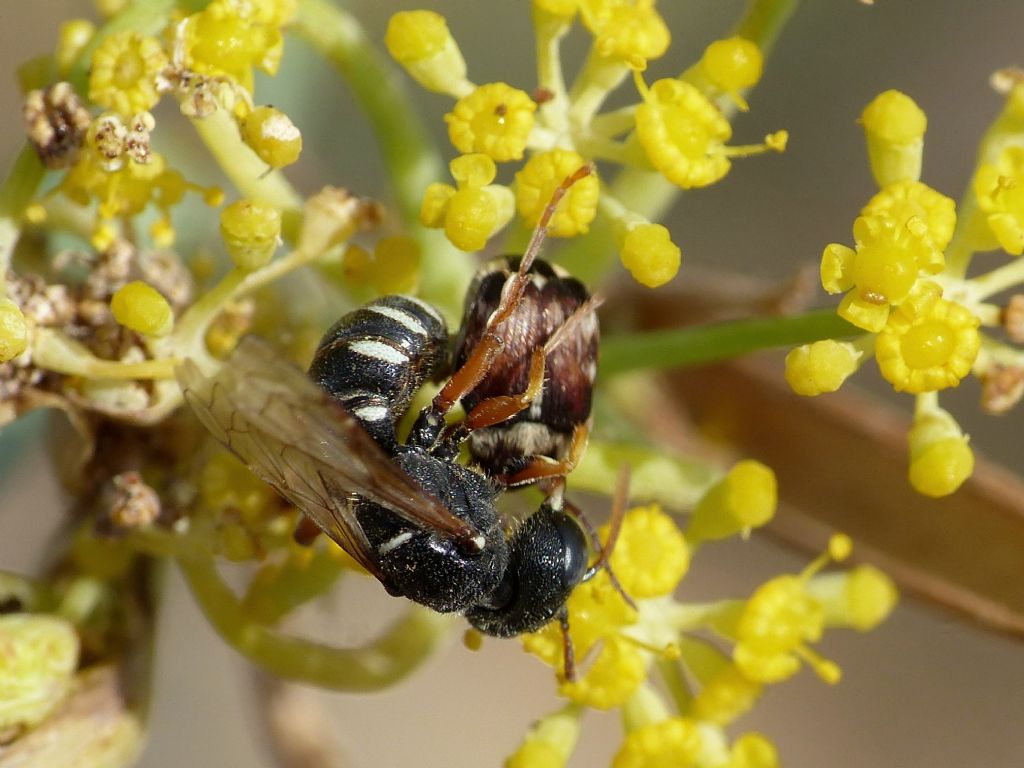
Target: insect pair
<point x="422" y="523"/>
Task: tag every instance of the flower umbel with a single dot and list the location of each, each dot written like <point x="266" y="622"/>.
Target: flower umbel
<point x="675" y="130"/>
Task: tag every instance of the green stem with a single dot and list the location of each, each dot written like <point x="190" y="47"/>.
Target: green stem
<point x="681" y="347"/>
<point x="247" y="171"/>
<point x="410" y="158"/>
<point x="406" y="645"/>
<point x="21" y="183"/>
<point x="1008" y="275"/>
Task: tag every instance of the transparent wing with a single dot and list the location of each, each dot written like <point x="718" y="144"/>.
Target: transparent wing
<point x="309" y="448"/>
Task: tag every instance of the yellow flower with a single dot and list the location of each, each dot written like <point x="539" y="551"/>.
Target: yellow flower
<point x="272" y="136"/>
<point x="726" y="696"/>
<point x="674" y="742"/>
<point x="75" y="34"/>
<point x="999" y="188"/>
<point x="124" y="73"/>
<point x="882" y="271"/>
<point x="813" y="369"/>
<point x="930" y="215"/>
<point x="752" y="750"/>
<point x="475" y="210"/>
<point x="127" y="190"/>
<point x="495" y="119"/>
<point x="535" y="754"/>
<point x="894" y="127"/>
<point x="928" y="343"/>
<point x="860" y="598"/>
<point x="596" y="611"/>
<point x="615" y="674"/>
<point x="629" y="30"/>
<point x="682" y="133"/>
<point x="537" y="181"/>
<point x="550" y="742"/>
<point x="561" y="9"/>
<point x="229" y="38"/>
<point x="650" y="557"/>
<point x="779" y="620"/>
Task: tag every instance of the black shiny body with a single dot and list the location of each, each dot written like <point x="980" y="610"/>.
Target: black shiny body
<point x="374" y="359"/>
<point x="371" y="362"/>
<point x="426" y="566"/>
<point x="546" y="427"/>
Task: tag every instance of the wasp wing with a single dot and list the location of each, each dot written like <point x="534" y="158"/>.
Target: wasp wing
<point x="308" y="447"/>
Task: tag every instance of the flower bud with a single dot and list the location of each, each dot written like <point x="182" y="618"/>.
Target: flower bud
<point x="251" y="232"/>
<point x="140" y="306"/>
<point x="894" y="126"/>
<point x="420" y="42"/>
<point x="272" y="136"/>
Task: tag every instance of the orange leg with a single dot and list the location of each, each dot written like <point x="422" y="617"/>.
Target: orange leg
<point x="495" y="410"/>
<point x="479" y="362"/>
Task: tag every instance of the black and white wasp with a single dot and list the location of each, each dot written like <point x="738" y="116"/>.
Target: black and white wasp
<point x="422" y="523"/>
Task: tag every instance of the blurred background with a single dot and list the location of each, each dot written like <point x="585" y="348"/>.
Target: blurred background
<point x="923" y="690"/>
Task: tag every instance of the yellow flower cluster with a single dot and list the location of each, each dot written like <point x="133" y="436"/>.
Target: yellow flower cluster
<point x="206" y="60"/>
<point x="904" y="283"/>
<point x="676" y="129"/>
<point x="622" y="641"/>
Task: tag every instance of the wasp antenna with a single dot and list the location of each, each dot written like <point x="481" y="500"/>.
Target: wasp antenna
<point x="614" y="526"/>
<point x="568" y="652"/>
<point x="619" y="502"/>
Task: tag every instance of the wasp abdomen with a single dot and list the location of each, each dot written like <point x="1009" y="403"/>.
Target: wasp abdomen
<point x="374" y="359"/>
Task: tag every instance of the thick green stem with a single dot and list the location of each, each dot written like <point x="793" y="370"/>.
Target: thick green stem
<point x="410" y="158"/>
<point x="247" y="172"/>
<point x="405" y="646"/>
<point x="680" y="347"/>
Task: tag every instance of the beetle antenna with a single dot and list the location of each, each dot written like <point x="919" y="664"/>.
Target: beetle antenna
<point x="571" y="323"/>
<point x="514" y="287"/>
